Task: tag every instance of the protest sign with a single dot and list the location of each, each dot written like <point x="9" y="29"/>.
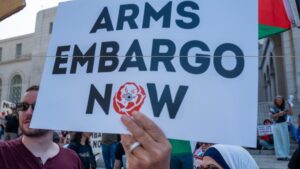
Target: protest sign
<point x="5" y="108"/>
<point x="264" y="130"/>
<point x="95" y="142"/>
<point x="183" y="63"/>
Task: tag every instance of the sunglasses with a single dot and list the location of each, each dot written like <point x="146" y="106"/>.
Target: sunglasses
<point x="24" y="106"/>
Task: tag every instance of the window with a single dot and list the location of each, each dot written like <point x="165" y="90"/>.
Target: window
<point x="50" y="27"/>
<point x="0" y="54"/>
<point x="18" y="50"/>
<point x="15" y="89"/>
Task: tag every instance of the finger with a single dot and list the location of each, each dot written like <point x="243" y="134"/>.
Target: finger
<point x="151" y="128"/>
<point x="126" y="142"/>
<point x="130" y="158"/>
<point x="138" y="153"/>
<point x="139" y="133"/>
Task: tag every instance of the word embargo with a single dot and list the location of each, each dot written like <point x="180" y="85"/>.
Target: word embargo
<point x="110" y="64"/>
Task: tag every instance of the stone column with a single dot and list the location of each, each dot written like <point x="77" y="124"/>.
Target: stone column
<point x="296" y="41"/>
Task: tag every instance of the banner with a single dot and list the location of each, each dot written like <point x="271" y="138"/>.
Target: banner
<point x="185" y="64"/>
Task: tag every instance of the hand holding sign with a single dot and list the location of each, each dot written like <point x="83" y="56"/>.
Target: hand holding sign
<point x="154" y="149"/>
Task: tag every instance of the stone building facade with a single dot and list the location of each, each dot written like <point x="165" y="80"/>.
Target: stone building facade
<point x="279" y="71"/>
<point x="22" y="58"/>
<point x="279" y="66"/>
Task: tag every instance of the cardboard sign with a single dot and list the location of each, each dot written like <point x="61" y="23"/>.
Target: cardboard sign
<point x="5" y="108"/>
<point x="9" y="7"/>
<point x="95" y="142"/>
<point x="264" y="130"/>
<point x="184" y="64"/>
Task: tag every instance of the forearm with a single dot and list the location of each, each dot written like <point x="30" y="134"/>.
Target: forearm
<point x="290" y="111"/>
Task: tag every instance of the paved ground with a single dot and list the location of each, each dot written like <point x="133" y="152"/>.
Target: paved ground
<point x="269" y="162"/>
<point x="266" y="158"/>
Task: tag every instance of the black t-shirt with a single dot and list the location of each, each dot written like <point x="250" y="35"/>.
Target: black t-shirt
<point x="295" y="160"/>
<point x="12" y="124"/>
<point x="275" y="110"/>
<point x="119" y="153"/>
<point x="85" y="154"/>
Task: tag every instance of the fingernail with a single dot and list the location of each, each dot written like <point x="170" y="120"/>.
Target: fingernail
<point x="135" y="114"/>
<point x="125" y="119"/>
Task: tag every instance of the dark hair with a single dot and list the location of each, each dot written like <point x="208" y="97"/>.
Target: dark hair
<point x="55" y="137"/>
<point x="77" y="138"/>
<point x="267" y="120"/>
<point x="33" y="88"/>
<point x="282" y="106"/>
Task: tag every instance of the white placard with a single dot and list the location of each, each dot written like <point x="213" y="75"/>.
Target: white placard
<point x="5" y="108"/>
<point x="95" y="141"/>
<point x="264" y="130"/>
<point x="195" y="98"/>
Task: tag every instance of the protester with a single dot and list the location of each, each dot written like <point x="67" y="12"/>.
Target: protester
<point x="222" y="156"/>
<point x="181" y="156"/>
<point x="2" y="122"/>
<point x="109" y="144"/>
<point x="267" y="141"/>
<point x="147" y="146"/>
<point x="298" y="131"/>
<point x="295" y="160"/>
<point x="199" y="152"/>
<point x="291" y="127"/>
<point x="1" y="128"/>
<point x="11" y="127"/>
<point x="280" y="128"/>
<point x="119" y="156"/>
<point x="56" y="137"/>
<point x="80" y="143"/>
<point x="36" y="149"/>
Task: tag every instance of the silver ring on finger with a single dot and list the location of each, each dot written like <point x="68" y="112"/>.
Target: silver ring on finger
<point x="134" y="146"/>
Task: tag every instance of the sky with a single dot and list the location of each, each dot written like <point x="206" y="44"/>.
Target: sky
<point x="23" y="22"/>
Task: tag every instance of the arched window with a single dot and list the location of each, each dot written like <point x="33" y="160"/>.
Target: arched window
<point x="15" y="89"/>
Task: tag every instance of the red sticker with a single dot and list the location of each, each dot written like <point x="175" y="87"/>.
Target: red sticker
<point x="129" y="98"/>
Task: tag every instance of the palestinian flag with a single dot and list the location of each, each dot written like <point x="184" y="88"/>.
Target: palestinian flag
<point x="273" y="18"/>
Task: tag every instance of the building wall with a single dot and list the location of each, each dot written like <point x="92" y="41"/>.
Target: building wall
<point x="21" y="67"/>
<point x="291" y="43"/>
<point x="11" y="66"/>
<point x="30" y="64"/>
<point x="41" y="39"/>
<point x="284" y="51"/>
<point x="9" y="47"/>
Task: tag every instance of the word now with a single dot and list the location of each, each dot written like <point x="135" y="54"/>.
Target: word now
<point x="156" y="102"/>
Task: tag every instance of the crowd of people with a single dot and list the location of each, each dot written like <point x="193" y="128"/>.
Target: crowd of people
<point x="146" y="147"/>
